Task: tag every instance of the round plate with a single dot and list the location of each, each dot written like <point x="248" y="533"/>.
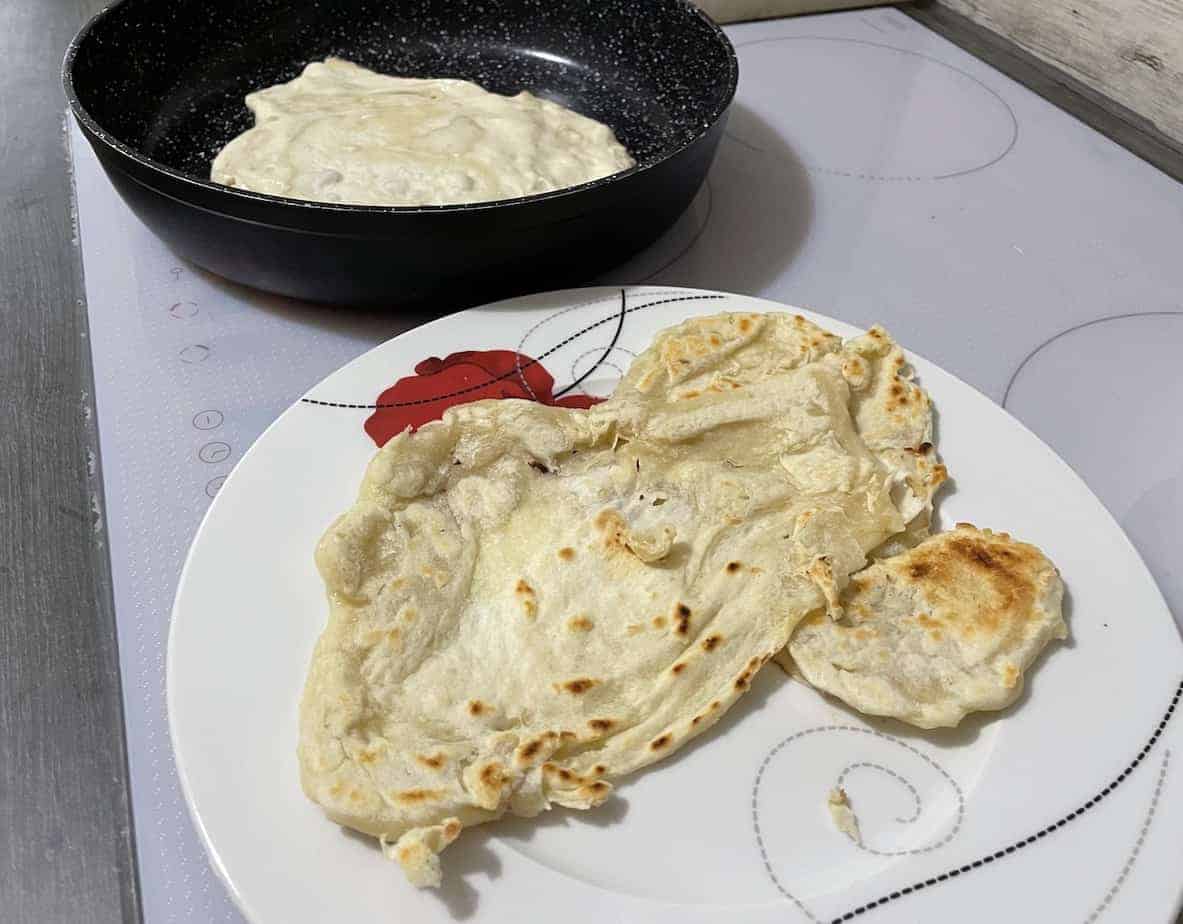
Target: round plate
<point x="1065" y="807"/>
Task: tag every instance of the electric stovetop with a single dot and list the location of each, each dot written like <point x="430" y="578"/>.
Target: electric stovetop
<point x="871" y="171"/>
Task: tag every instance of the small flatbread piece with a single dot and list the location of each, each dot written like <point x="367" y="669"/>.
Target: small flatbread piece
<point x="937" y="632"/>
<point x="843" y="815"/>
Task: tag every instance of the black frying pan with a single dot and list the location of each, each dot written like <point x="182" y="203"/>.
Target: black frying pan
<point x="158" y="85"/>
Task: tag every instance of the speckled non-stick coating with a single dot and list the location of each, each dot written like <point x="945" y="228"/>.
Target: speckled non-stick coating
<point x="168" y="78"/>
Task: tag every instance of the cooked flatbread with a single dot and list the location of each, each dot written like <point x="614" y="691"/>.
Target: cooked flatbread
<point x="528" y="603"/>
<point x="937" y="632"/>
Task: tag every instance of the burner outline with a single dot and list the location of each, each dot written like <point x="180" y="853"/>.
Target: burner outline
<point x="872" y="177"/>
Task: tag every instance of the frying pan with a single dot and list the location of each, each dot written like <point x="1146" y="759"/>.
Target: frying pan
<point x="157" y="87"/>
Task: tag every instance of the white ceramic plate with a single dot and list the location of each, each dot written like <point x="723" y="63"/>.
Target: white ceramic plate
<point x="1067" y="807"/>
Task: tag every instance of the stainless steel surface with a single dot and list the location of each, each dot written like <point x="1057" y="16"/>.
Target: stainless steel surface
<point x="65" y="826"/>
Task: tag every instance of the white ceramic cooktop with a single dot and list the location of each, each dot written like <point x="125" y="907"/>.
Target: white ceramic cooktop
<point x="871" y="171"/>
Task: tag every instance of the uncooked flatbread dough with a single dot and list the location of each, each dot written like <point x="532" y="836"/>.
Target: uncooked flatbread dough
<point x="342" y="133"/>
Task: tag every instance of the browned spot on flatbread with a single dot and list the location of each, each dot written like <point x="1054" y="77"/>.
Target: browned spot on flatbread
<point x="733" y="567"/>
<point x="614" y="528"/>
<point x="658" y="622"/>
<point x="414" y="796"/>
<point x="600" y="725"/>
<point x="975" y="553"/>
<point x="452" y="828"/>
<point x="577" y="686"/>
<point x="432" y="761"/>
<point x="986" y="582"/>
<point x="661" y="741"/>
<point x="678" y="668"/>
<point x="476" y="707"/>
<point x="681" y="619"/>
<point x="711" y="642"/>
<point x="580" y="624"/>
<point x="605" y="518"/>
<point x="529" y="750"/>
<point x="745" y="325"/>
<point x="566" y="553"/>
<point x="526" y="596"/>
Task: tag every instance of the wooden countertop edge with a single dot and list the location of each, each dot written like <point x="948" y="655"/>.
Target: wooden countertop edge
<point x="1113" y="120"/>
<point x="66" y="836"/>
